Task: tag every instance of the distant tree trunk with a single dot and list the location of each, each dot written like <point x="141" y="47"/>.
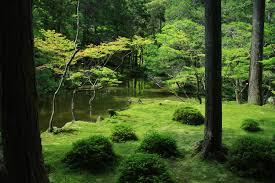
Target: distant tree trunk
<point x="73" y="105"/>
<point x="256" y="70"/>
<point x="212" y="143"/>
<point x="19" y="110"/>
<point x="50" y="128"/>
<point x="90" y="102"/>
<point x="238" y="93"/>
<point x="198" y="88"/>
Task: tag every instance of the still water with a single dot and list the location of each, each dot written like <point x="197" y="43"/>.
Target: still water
<point x="109" y="98"/>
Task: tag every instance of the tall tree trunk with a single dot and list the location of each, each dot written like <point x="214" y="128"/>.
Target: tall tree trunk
<point x="19" y="110"/>
<point x="213" y="108"/>
<point x="256" y="70"/>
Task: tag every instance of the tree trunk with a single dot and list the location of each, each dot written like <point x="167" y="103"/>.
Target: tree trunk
<point x="73" y="105"/>
<point x="238" y="92"/>
<point x="90" y="103"/>
<point x="198" y="89"/>
<point x="238" y="96"/>
<point x="212" y="143"/>
<point x="19" y="110"/>
<point x="256" y="70"/>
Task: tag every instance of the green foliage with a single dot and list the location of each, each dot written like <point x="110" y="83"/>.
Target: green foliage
<point x="94" y="153"/>
<point x="250" y="125"/>
<point x="100" y="76"/>
<point x="123" y="133"/>
<point x="236" y="35"/>
<point x="234" y="10"/>
<point x="162" y="37"/>
<point x="47" y="15"/>
<point x="156" y="9"/>
<point x="46" y="82"/>
<point x="252" y="157"/>
<point x="105" y="49"/>
<point x="179" y="9"/>
<point x="236" y="55"/>
<point x="180" y="55"/>
<point x="269" y="59"/>
<point x="188" y="115"/>
<point x="143" y="168"/>
<point x="158" y="143"/>
<point x="53" y="50"/>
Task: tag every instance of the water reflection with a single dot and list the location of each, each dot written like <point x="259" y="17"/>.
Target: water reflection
<point x="110" y="98"/>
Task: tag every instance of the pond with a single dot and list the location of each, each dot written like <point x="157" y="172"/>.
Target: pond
<point x="109" y="98"/>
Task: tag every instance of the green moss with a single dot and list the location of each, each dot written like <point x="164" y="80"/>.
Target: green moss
<point x="94" y="153"/>
<point x="123" y="133"/>
<point x="152" y="116"/>
<point x="159" y="143"/>
<point x="143" y="168"/>
<point x="250" y="125"/>
<point x="188" y="115"/>
<point x="253" y="157"/>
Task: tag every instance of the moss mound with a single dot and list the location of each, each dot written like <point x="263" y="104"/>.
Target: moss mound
<point x="253" y="157"/>
<point x="188" y="115"/>
<point x="94" y="153"/>
<point x="143" y="168"/>
<point x="123" y="133"/>
<point x="250" y="125"/>
<point x="161" y="144"/>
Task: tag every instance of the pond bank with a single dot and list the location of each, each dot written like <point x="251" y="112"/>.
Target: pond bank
<point x="108" y="98"/>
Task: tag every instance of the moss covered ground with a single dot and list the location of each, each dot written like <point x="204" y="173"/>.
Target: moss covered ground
<point x="157" y="114"/>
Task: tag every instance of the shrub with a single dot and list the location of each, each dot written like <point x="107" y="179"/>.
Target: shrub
<point x="188" y="115"/>
<point x="94" y="153"/>
<point x="251" y="156"/>
<point x="250" y="125"/>
<point x="123" y="133"/>
<point x="161" y="144"/>
<point x="143" y="168"/>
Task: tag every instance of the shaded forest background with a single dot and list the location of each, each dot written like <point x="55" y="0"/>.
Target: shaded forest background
<point x="162" y="40"/>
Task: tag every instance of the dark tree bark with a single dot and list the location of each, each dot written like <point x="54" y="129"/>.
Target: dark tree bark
<point x="19" y="108"/>
<point x="256" y="70"/>
<point x="212" y="143"/>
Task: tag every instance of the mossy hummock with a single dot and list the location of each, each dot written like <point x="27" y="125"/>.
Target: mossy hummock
<point x="159" y="143"/>
<point x="252" y="157"/>
<point x="123" y="133"/>
<point x="94" y="153"/>
<point x="188" y="115"/>
<point x="143" y="168"/>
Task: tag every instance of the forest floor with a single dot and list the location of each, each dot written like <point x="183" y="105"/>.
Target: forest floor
<point x="151" y="115"/>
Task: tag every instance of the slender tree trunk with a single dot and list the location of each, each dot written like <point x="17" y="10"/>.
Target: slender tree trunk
<point x="213" y="108"/>
<point x="19" y="106"/>
<point x="50" y="128"/>
<point x="90" y="102"/>
<point x="73" y="105"/>
<point x="198" y="88"/>
<point x="238" y="93"/>
<point x="256" y="70"/>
